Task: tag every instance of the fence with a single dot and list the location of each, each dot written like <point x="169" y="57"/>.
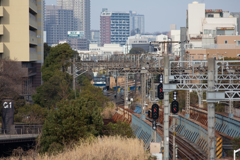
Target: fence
<point x="236" y="111"/>
<point x="19" y="133"/>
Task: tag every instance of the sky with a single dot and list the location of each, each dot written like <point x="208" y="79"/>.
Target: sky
<point x="159" y="14"/>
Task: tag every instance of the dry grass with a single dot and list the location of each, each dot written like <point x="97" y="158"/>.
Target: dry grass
<point x="106" y="148"/>
<point x="109" y="111"/>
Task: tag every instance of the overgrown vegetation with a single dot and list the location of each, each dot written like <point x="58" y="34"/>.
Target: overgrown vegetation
<point x="71" y="121"/>
<point x="100" y="148"/>
<point x="119" y="129"/>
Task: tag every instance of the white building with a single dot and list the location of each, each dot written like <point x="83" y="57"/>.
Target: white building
<point x="162" y="38"/>
<point x="138" y="40"/>
<point x="175" y="36"/>
<point x="106" y="49"/>
<point x="205" y="24"/>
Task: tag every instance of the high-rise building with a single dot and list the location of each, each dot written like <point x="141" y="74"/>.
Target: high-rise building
<point x="21" y="32"/>
<point x="173" y="27"/>
<point x="114" y="27"/>
<point x="58" y="22"/>
<point x="81" y="12"/>
<point x="95" y="37"/>
<point x="137" y="23"/>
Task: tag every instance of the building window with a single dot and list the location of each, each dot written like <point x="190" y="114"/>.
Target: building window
<point x="225" y="41"/>
<point x="238" y="43"/>
<point x="210" y="15"/>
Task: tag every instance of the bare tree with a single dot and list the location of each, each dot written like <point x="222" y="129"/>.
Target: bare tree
<point x="11" y="74"/>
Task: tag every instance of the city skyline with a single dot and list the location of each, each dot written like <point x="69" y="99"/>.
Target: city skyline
<point x="152" y="22"/>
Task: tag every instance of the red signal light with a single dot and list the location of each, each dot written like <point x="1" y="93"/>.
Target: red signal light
<point x="155" y="110"/>
<point x="160" y="90"/>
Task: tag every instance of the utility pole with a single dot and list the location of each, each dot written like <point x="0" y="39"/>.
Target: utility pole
<point x="174" y="145"/>
<point x="187" y="103"/>
<point x="153" y="88"/>
<point x="126" y="91"/>
<point x="136" y="83"/>
<point x="143" y="94"/>
<point x="211" y="111"/>
<point x="166" y="108"/>
<point x="230" y="105"/>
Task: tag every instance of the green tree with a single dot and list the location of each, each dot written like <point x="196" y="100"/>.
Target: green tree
<point x="72" y="120"/>
<point x="57" y="82"/>
<point x="137" y="50"/>
<point x="58" y="59"/>
<point x="46" y="50"/>
<point x="84" y="77"/>
<point x="31" y="114"/>
<point x="52" y="91"/>
<point x="90" y="91"/>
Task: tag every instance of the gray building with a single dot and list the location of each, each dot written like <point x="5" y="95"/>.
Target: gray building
<point x="79" y="44"/>
<point x="137" y="23"/>
<point x="114" y="27"/>
<point x="81" y="13"/>
<point x="237" y="14"/>
<point x="95" y="37"/>
<point x="58" y="22"/>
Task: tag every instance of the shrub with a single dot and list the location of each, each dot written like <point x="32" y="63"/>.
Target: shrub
<point x="72" y="120"/>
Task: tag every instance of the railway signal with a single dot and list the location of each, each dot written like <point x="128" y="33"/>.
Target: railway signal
<point x="160" y="87"/>
<point x="160" y="91"/>
<point x="155" y="111"/>
<point x="175" y="107"/>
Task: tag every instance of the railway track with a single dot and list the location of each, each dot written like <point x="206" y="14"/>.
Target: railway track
<point x="185" y="149"/>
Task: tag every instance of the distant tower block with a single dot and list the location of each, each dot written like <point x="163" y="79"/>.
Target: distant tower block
<point x="173" y="27"/>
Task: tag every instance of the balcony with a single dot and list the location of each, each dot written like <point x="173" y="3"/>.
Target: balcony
<point x="32" y="38"/>
<point x="1" y="29"/>
<point x="1" y="11"/>
<point x="33" y="6"/>
<point x="33" y="54"/>
<point x="32" y="21"/>
<point x="1" y="47"/>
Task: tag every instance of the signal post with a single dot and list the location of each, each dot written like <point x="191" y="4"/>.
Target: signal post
<point x="174" y="109"/>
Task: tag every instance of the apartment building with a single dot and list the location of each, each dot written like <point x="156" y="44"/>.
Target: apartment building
<point x="21" y="32"/>
<point x="205" y="24"/>
<point x="114" y="27"/>
<point x="224" y="46"/>
<point x="137" y="23"/>
<point x="81" y="13"/>
<point x="206" y="31"/>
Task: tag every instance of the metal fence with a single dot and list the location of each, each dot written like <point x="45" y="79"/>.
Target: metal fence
<point x="236" y="111"/>
<point x="20" y="132"/>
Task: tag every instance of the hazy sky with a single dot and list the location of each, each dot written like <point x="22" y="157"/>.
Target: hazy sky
<point x="159" y="14"/>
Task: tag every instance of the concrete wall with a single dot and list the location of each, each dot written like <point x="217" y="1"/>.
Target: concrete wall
<point x="229" y="39"/>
